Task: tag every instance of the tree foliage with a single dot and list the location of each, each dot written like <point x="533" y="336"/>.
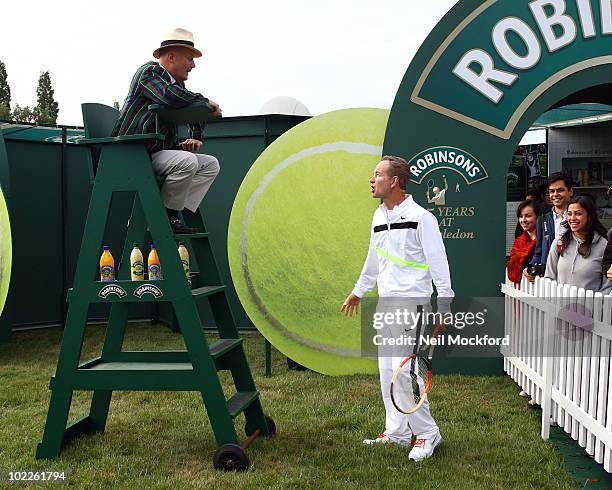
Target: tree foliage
<point x="46" y="108"/>
<point x="25" y="114"/>
<point x="5" y="112"/>
<point x="5" y="94"/>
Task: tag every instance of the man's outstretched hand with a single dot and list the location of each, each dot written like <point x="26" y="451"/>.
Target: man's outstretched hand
<point x="216" y="109"/>
<point x="350" y="305"/>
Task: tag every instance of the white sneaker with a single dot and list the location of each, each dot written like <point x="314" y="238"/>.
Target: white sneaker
<point x="424" y="448"/>
<point x="382" y="439"/>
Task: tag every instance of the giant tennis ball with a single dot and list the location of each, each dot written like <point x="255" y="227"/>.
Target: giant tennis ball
<point x="5" y="251"/>
<point x="299" y="233"/>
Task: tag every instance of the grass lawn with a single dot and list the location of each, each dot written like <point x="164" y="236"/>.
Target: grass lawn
<point x="164" y="440"/>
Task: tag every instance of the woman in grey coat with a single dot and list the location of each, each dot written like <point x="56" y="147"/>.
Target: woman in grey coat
<point x="576" y="258"/>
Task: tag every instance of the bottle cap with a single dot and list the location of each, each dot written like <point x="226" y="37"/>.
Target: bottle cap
<point x="152" y="246"/>
<point x="105" y="247"/>
<point x="181" y="243"/>
<point x="135" y="245"/>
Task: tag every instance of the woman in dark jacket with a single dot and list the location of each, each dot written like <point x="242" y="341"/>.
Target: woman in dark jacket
<point x="524" y="245"/>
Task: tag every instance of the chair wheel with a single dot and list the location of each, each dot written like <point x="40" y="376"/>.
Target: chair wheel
<point x="271" y="427"/>
<point x="231" y="457"/>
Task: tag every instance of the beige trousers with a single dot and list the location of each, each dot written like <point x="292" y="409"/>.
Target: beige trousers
<point x="188" y="177"/>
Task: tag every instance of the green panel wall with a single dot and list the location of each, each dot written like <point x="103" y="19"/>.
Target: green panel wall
<point x="6" y="313"/>
<point x="51" y="185"/>
<point x="36" y="219"/>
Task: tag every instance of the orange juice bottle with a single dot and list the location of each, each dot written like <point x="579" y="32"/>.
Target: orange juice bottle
<point x="155" y="272"/>
<point x="107" y="265"/>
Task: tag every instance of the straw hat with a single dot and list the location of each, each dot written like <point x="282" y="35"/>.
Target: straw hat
<point x="178" y="37"/>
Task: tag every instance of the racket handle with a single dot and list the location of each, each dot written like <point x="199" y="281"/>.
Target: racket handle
<point x="431" y="349"/>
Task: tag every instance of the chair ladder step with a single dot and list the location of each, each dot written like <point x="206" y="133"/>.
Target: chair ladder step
<point x="240" y="402"/>
<point x="190" y="236"/>
<point x="206" y="291"/>
<point x="222" y="346"/>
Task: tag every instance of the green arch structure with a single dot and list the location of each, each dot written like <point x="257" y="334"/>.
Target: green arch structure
<point x="437" y="112"/>
<point x="5" y="245"/>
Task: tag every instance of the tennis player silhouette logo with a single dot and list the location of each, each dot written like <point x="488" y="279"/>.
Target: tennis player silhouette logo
<point x="435" y="195"/>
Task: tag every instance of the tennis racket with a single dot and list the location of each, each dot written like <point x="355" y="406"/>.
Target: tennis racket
<point x="430" y="185"/>
<point x="411" y="382"/>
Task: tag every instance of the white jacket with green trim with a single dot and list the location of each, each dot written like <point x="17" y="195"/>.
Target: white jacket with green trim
<point x="406" y="254"/>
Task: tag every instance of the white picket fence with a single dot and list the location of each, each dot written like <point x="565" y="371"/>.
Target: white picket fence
<point x="559" y="353"/>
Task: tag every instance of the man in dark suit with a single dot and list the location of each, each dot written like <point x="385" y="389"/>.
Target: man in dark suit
<point x="188" y="175"/>
<point x="553" y="224"/>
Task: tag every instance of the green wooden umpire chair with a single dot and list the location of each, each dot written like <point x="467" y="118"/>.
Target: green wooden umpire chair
<point x="122" y="164"/>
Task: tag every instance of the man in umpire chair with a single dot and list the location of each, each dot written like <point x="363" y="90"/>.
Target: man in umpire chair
<point x="188" y="174"/>
<point x="405" y="255"/>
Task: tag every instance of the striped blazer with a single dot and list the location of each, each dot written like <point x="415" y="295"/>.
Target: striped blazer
<point x="151" y="84"/>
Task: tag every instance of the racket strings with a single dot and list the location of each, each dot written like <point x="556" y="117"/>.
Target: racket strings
<point x="411" y="384"/>
<point x="418" y="374"/>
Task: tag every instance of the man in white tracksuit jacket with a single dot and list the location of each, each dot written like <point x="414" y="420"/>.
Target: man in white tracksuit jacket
<point x="406" y="254"/>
